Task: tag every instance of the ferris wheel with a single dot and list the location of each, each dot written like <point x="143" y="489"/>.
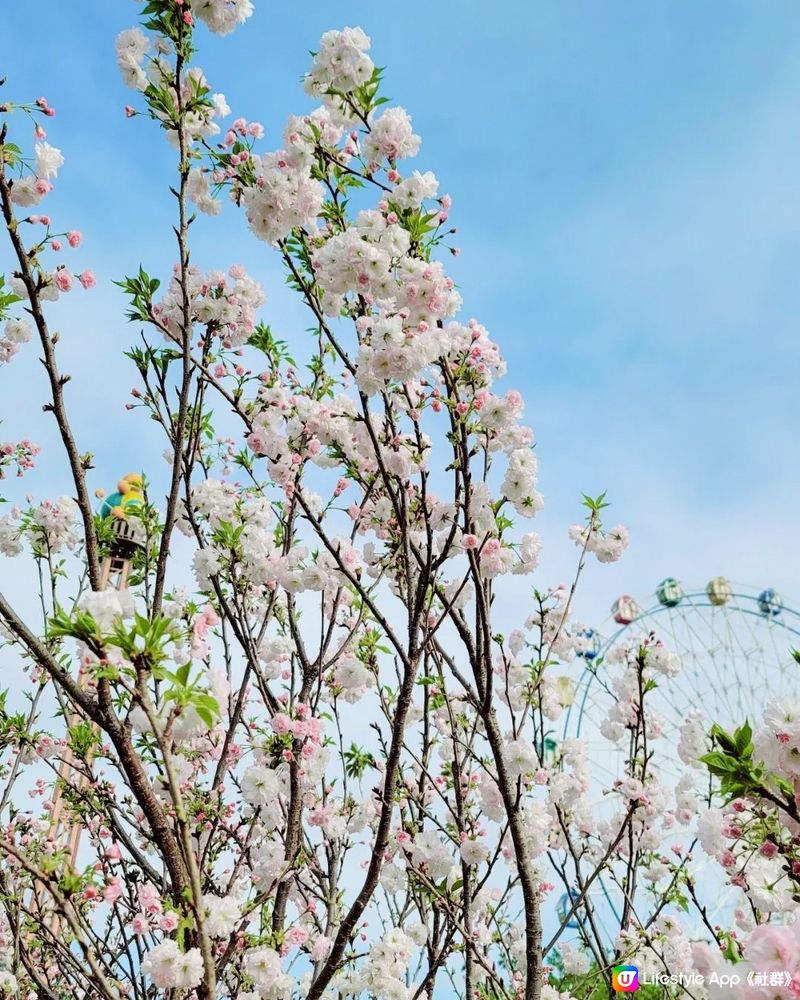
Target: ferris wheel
<point x="735" y="644"/>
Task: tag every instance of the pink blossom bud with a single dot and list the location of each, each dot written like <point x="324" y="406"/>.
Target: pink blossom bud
<point x="281" y="723"/>
<point x="297" y="935"/>
<point x="112" y="892"/>
<point x="63" y="279"/>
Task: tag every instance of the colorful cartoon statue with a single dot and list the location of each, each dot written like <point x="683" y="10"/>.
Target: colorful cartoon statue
<point x="124" y="509"/>
<point x="128" y="497"/>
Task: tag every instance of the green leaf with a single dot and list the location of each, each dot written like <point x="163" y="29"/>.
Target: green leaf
<point x="720" y="764"/>
<point x="743" y="738"/>
<point x="724" y="739"/>
<point x="205" y="716"/>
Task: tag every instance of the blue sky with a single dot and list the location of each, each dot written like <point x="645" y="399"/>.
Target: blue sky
<point x="626" y="184"/>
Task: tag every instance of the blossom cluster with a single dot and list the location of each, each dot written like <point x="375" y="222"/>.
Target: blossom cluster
<point x="770" y="969"/>
<point x="19" y="455"/>
<point x="222" y="16"/>
<point x="606" y="546"/>
<point x="754" y="837"/>
<point x="225" y="304"/>
<point x="29" y="189"/>
<point x="341" y="64"/>
<point x="15" y="333"/>
<point x="186" y="109"/>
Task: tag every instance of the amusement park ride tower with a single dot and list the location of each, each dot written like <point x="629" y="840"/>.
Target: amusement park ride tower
<point x="123" y="510"/>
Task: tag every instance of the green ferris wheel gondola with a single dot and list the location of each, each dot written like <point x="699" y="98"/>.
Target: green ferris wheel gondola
<point x="669" y="592"/>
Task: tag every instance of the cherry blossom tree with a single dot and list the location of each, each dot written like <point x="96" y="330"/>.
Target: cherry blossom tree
<point x="304" y="760"/>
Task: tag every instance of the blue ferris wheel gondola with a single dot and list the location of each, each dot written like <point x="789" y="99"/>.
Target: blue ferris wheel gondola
<point x="563" y="907"/>
<point x="593" y="644"/>
<point x="770" y="603"/>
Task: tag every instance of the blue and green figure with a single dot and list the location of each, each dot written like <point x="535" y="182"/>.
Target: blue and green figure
<point x="128" y="499"/>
